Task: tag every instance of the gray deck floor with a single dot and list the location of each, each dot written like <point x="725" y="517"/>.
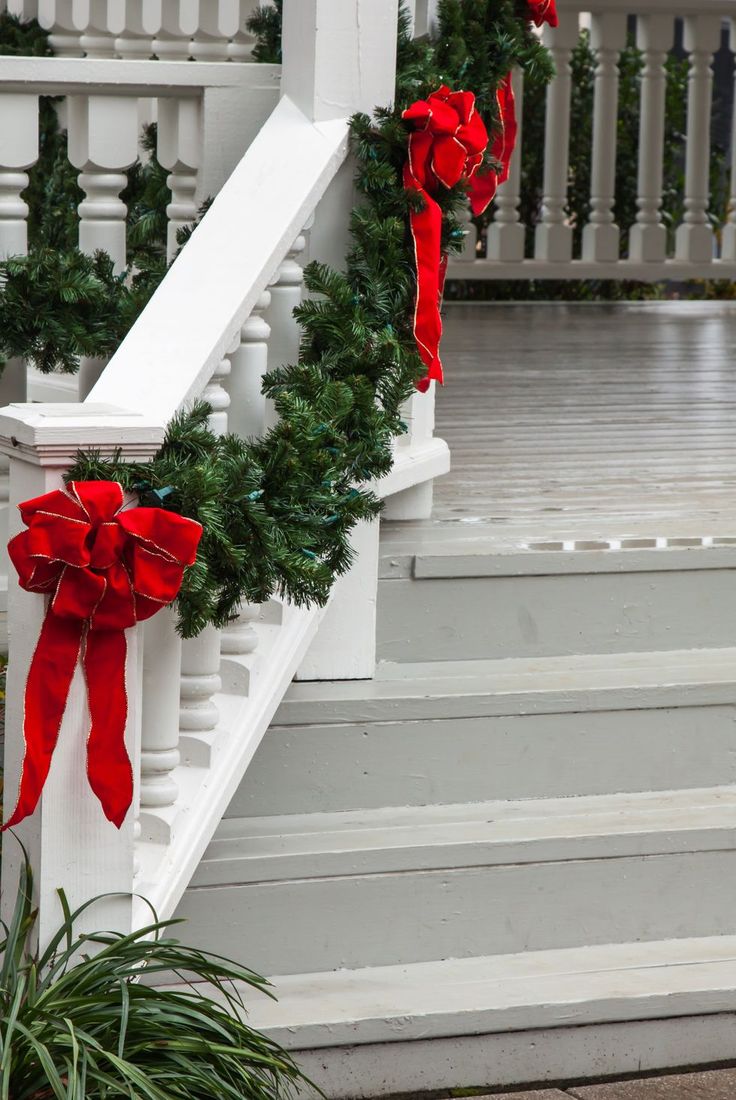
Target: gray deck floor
<point x="579" y="421"/>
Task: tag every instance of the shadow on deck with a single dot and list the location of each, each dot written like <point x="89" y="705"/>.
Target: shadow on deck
<point x="570" y="422"/>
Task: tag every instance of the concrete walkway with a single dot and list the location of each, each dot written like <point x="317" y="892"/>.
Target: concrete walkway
<point x="711" y="1085"/>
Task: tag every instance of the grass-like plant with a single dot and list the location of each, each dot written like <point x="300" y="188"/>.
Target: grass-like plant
<point x="77" y="1023"/>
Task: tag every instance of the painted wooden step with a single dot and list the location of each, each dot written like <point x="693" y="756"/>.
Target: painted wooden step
<point x="474" y="731"/>
<point x="323" y="891"/>
<point x="510" y="1019"/>
<point x="446" y="603"/>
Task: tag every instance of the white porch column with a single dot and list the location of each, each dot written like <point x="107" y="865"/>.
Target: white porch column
<point x="728" y="242"/>
<point x="69" y="841"/>
<point x="553" y="236"/>
<point x="506" y="234"/>
<point x="103" y="142"/>
<point x="695" y="238"/>
<point x="648" y="237"/>
<point x="348" y="66"/>
<point x="601" y="235"/>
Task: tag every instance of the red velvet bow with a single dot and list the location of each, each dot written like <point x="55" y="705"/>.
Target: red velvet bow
<point x="446" y="145"/>
<point x="484" y="185"/>
<point x="542" y="11"/>
<point x="105" y="569"/>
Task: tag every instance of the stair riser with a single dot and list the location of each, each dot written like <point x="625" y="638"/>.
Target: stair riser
<point x="458" y="618"/>
<point x="414" y="916"/>
<point x="325" y="768"/>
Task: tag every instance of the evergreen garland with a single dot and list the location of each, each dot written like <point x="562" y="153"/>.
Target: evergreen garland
<point x="277" y="512"/>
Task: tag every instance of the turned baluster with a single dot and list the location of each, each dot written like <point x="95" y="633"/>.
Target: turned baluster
<point x="58" y="17"/>
<point x="247" y="418"/>
<point x="601" y="235"/>
<point x="97" y="38"/>
<point x="286" y="295"/>
<point x="135" y="24"/>
<point x="160" y="755"/>
<point x="179" y="20"/>
<point x="200" y="656"/>
<point x="103" y="142"/>
<point x="179" y="150"/>
<point x="695" y="239"/>
<point x="648" y="237"/>
<point x="219" y="20"/>
<point x="728" y="243"/>
<point x="506" y="234"/>
<point x="240" y="47"/>
<point x="553" y="236"/>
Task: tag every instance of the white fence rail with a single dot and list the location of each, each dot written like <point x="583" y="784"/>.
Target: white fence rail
<point x="697" y="251"/>
<point x="221" y="316"/>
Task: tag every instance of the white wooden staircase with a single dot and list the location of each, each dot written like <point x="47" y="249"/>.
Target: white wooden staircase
<point x="482" y="869"/>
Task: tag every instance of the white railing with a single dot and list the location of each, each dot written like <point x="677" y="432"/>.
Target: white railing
<point x="697" y="251"/>
<point x="172" y="30"/>
<point x="222" y="315"/>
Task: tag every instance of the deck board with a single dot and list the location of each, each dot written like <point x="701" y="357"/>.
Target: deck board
<point x="582" y="419"/>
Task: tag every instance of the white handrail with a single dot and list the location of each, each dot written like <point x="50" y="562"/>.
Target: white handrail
<point x="198" y="310"/>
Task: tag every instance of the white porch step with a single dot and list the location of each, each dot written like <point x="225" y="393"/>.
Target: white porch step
<point x="459" y="601"/>
<point x="509" y="1019"/>
<point x="317" y="892"/>
<point x="472" y="731"/>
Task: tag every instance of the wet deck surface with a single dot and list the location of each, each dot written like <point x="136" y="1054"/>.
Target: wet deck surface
<point x="713" y="1085"/>
<point x="581" y="421"/>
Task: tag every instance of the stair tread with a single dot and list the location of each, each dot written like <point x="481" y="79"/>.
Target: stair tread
<point x="561" y="987"/>
<point x="485" y="834"/>
<point x="513" y="685"/>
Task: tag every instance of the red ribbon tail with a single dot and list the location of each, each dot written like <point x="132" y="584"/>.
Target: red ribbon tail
<point x="426" y="230"/>
<point x="108" y="765"/>
<point x="47" y="688"/>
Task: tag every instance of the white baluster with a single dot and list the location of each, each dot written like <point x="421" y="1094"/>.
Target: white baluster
<point x="180" y="150"/>
<point x="286" y="294"/>
<point x="200" y="656"/>
<point x="103" y="142"/>
<point x="506" y="234"/>
<point x="241" y="43"/>
<point x="90" y="369"/>
<point x="695" y="239"/>
<point x="601" y="235"/>
<point x="135" y="24"/>
<point x="18" y="151"/>
<point x="553" y="236"/>
<point x="648" y="237"/>
<point x="179" y="20"/>
<point x="97" y="39"/>
<point x="728" y="243"/>
<point x="219" y="20"/>
<point x="58" y="17"/>
<point x="247" y="418"/>
<point x="160" y="712"/>
<point x="469" y="250"/>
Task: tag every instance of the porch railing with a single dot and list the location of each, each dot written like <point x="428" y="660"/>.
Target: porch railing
<point x="223" y="313"/>
<point x="647" y="251"/>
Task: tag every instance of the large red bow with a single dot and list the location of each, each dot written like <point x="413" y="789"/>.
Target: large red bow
<point x="484" y="185"/>
<point x="542" y="11"/>
<point x="446" y="145"/>
<point x="105" y="569"/>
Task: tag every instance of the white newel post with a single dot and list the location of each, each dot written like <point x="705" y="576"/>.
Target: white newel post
<point x="695" y="239"/>
<point x="648" y="237"/>
<point x="247" y="418"/>
<point x="601" y="235"/>
<point x="200" y="656"/>
<point x="103" y="142"/>
<point x="179" y="149"/>
<point x="347" y="66"/>
<point x="69" y="841"/>
<point x="506" y="235"/>
<point x="728" y="242"/>
<point x="553" y="236"/>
